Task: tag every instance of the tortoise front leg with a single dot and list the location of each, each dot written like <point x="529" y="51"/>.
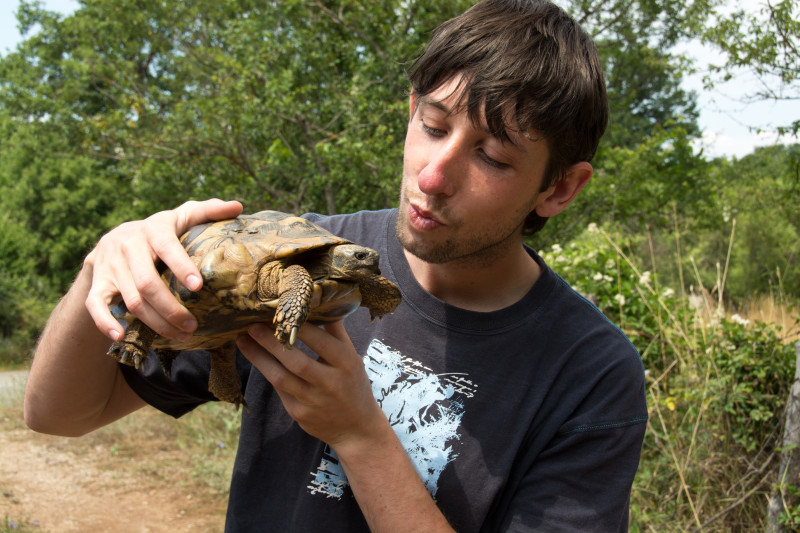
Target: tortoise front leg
<point x="132" y="350"/>
<point x="295" y="289"/>
<point x="379" y="295"/>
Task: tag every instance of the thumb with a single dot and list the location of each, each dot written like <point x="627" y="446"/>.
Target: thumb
<point x="192" y="212"/>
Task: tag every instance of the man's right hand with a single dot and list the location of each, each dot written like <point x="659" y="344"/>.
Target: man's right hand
<point x="124" y="264"/>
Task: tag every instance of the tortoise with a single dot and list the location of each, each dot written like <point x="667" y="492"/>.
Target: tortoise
<point x="255" y="268"/>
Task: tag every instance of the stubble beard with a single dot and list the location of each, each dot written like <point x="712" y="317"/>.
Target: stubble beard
<point x="472" y="250"/>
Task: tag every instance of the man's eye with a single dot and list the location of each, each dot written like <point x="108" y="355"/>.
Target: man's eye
<point x="492" y="162"/>
<point x="432" y="131"/>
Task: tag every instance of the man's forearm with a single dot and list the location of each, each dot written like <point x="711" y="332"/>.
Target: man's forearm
<point x="388" y="489"/>
<point x="73" y="387"/>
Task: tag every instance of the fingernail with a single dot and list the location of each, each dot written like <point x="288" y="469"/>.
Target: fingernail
<point x="193" y="282"/>
<point x="189" y="325"/>
<point x="114" y="334"/>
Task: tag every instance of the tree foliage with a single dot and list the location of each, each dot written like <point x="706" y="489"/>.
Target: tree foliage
<point x="765" y="42"/>
<point x="121" y="109"/>
<point x="757" y="205"/>
<point x="296" y="105"/>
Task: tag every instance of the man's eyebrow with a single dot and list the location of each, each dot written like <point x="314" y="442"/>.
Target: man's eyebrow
<point x="504" y="139"/>
<point x="426" y="100"/>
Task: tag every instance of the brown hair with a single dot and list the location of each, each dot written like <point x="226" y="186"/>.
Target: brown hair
<point x="530" y="58"/>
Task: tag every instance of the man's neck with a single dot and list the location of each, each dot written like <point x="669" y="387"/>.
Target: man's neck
<point x="483" y="284"/>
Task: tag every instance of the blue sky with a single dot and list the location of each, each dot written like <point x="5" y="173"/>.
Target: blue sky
<point x="726" y="120"/>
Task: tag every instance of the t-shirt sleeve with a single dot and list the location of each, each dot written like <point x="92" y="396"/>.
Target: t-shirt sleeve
<point x="187" y="386"/>
<point x="580" y="484"/>
<point x="581" y="480"/>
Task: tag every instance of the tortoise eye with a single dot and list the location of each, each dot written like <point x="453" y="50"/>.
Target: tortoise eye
<point x="361" y="256"/>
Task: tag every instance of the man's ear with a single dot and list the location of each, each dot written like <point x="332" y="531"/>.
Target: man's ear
<point x="559" y="196"/>
<point x="412" y="105"/>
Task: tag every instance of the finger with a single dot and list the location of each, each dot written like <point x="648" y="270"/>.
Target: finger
<point x="167" y="247"/>
<point x="192" y="213"/>
<point x="150" y="300"/>
<point x="331" y="343"/>
<point x="338" y="330"/>
<point x="299" y="363"/>
<point x="164" y="229"/>
<point x="97" y="302"/>
<point x="270" y="367"/>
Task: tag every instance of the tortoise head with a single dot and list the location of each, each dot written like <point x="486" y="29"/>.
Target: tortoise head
<point x="350" y="261"/>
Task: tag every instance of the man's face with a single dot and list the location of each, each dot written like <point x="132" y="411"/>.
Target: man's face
<point x="465" y="193"/>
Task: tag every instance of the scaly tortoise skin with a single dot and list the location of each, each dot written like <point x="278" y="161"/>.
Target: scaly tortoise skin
<point x="255" y="268"/>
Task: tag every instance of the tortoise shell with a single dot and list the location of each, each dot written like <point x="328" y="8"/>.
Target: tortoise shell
<point x="268" y="266"/>
<point x="230" y="254"/>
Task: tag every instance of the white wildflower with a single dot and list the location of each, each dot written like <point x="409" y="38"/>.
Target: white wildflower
<point x="740" y="320"/>
<point x="726" y="214"/>
<point x="592" y="228"/>
<point x="696" y="301"/>
<point x="556" y="249"/>
<point x="644" y="279"/>
<point x="727" y="346"/>
<point x="598" y="276"/>
<point x="620" y="299"/>
<point x="668" y="293"/>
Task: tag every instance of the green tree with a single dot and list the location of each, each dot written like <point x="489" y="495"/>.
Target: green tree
<point x="761" y="192"/>
<point x="645" y="164"/>
<point x="121" y="109"/>
<point x="294" y="105"/>
<point x="765" y="42"/>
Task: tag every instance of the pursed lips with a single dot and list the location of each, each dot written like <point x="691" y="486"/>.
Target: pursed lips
<point x="422" y="218"/>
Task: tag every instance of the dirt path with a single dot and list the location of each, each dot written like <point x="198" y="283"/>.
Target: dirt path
<point x="120" y="479"/>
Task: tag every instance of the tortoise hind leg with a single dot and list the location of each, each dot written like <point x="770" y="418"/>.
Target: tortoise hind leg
<point x="132" y="350"/>
<point x="223" y="379"/>
<point x="166" y="357"/>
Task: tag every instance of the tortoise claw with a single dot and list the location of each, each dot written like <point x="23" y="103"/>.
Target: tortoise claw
<point x="133" y="349"/>
<point x="241" y="402"/>
<point x="127" y="354"/>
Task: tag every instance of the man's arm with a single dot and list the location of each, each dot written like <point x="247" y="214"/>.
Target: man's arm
<point x="73" y="386"/>
<point x="331" y="399"/>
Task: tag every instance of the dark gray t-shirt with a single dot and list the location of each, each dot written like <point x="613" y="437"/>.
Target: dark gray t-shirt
<point x="528" y="418"/>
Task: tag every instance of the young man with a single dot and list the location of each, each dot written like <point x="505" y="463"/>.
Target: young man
<point x="494" y="398"/>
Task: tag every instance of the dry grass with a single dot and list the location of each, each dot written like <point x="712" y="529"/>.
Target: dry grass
<point x="769" y="309"/>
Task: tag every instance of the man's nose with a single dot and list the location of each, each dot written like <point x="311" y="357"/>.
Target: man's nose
<point x="440" y="176"/>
